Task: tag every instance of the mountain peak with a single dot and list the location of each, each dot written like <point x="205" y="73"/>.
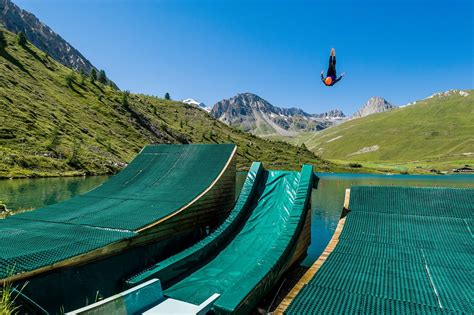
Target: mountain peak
<point x="249" y="112"/>
<point x="375" y="104"/>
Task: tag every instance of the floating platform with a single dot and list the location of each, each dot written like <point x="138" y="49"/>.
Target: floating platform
<point x="162" y="202"/>
<point x="267" y="231"/>
<point x="395" y="250"/>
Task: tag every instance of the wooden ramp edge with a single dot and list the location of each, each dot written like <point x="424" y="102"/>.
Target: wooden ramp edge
<point x="315" y="267"/>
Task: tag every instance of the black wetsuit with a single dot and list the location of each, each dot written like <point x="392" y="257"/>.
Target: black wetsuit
<point x="331" y="71"/>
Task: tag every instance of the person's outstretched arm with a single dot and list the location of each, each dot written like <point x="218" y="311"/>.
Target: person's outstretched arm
<point x="343" y="74"/>
<point x="322" y="75"/>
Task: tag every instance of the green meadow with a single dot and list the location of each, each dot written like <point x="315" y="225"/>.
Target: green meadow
<point x="435" y="134"/>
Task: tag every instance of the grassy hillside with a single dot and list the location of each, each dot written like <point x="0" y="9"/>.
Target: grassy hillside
<point x="54" y="122"/>
<point x="436" y="133"/>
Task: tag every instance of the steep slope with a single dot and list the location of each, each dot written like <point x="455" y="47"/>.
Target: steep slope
<point x="251" y="113"/>
<point x="53" y="122"/>
<point x="15" y="20"/>
<point x="437" y="132"/>
<point x="374" y="105"/>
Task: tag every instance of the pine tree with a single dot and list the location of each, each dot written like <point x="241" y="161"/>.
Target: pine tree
<point x="74" y="159"/>
<point x="167" y="96"/>
<point x="3" y="42"/>
<point x="21" y="39"/>
<point x="102" y="77"/>
<point x="71" y="77"/>
<point x="93" y="75"/>
<point x="125" y="95"/>
<point x="82" y="74"/>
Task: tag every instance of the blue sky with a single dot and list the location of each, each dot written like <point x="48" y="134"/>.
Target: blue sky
<point x="210" y="50"/>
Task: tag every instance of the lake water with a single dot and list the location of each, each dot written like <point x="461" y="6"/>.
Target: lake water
<point x="326" y="201"/>
<point x="21" y="194"/>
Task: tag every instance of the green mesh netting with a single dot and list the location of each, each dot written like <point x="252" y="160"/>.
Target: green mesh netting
<point x="159" y="181"/>
<point x="314" y="299"/>
<point x="27" y="245"/>
<point x="402" y="250"/>
<point x="255" y="258"/>
<point x="420" y="201"/>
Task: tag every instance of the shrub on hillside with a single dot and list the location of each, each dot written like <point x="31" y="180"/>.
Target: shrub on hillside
<point x="70" y="78"/>
<point x="3" y="42"/>
<point x="93" y="75"/>
<point x="124" y="100"/>
<point x="21" y="39"/>
<point x="102" y="77"/>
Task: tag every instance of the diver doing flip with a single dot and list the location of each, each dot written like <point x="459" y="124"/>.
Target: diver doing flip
<point x="331" y="76"/>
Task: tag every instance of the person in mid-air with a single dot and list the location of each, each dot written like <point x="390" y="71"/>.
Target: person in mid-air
<point x="331" y="76"/>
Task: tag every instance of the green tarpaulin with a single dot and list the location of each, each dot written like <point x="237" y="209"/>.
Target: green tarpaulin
<point x="256" y="257"/>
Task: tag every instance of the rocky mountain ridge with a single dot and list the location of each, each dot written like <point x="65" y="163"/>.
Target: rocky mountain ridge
<point x="251" y="113"/>
<point x="16" y="20"/>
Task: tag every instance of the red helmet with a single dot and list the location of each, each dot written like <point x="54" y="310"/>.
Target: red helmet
<point x="328" y="81"/>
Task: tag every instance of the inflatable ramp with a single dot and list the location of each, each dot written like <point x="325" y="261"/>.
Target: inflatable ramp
<point x="164" y="199"/>
<point x="398" y="250"/>
<point x="237" y="264"/>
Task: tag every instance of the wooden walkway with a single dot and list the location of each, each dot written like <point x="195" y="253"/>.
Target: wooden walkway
<point x="315" y="267"/>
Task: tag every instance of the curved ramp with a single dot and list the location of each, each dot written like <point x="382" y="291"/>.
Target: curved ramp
<point x="260" y="252"/>
<point x="159" y="184"/>
<point x="187" y="261"/>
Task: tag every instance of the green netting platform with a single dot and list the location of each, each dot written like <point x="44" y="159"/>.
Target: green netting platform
<point x="402" y="250"/>
<point x="159" y="181"/>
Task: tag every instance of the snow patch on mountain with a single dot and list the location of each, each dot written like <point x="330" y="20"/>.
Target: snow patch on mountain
<point x="365" y="150"/>
<point x="440" y="94"/>
<point x="334" y="139"/>
<point x="192" y="101"/>
<point x="449" y="93"/>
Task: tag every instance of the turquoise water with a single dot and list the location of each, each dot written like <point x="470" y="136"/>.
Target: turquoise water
<point x="21" y="194"/>
<point x="326" y="201"/>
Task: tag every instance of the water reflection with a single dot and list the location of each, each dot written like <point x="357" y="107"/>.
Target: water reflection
<point x="20" y="194"/>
